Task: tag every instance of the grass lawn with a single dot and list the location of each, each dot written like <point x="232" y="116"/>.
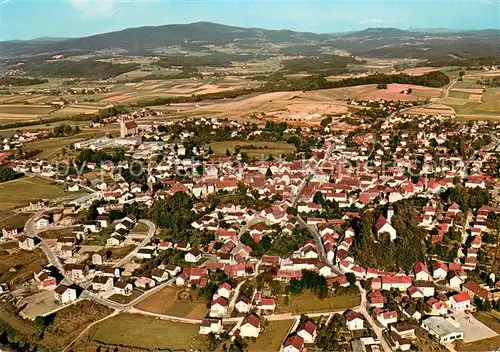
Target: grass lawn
<point x="26" y="190"/>
<point x="121" y="252"/>
<point x="100" y="238"/>
<point x="54" y="234"/>
<point x="140" y="227"/>
<point x="253" y="148"/>
<point x="18" y="267"/>
<point x="273" y="336"/>
<point x="167" y="302"/>
<point x="148" y="333"/>
<point x="309" y="302"/>
<point x="125" y="299"/>
<point x="14" y="220"/>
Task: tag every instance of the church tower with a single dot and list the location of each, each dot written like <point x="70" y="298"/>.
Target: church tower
<point x="123" y="129"/>
<point x="390" y="213"/>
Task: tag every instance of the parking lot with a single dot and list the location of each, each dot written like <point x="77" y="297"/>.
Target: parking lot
<point x="473" y="329"/>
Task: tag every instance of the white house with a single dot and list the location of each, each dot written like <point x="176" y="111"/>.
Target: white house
<point x="250" y="326"/>
<point x="193" y="256"/>
<point x="210" y="326"/>
<point x="307" y="331"/>
<point x="386" y="318"/>
<point x="354" y="321"/>
<point x="65" y="294"/>
<point x="460" y="301"/>
<point x="224" y="290"/>
<point x="243" y="304"/>
<point x="293" y="343"/>
<point x="218" y="307"/>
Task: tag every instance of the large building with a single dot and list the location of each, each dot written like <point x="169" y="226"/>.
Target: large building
<point x="446" y="330"/>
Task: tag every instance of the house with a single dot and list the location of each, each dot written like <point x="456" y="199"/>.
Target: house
<point x="400" y="282"/>
<point x="411" y="312"/>
<point x="172" y="270"/>
<point x="123" y="288"/>
<point x="250" y="326"/>
<point x="42" y="221"/>
<point x="76" y="271"/>
<point x="9" y="233"/>
<point x="159" y="275"/>
<point x="218" y="307"/>
<point x="44" y="280"/>
<point x="145" y="253"/>
<point x="144" y="282"/>
<point x="224" y="290"/>
<point x="421" y="272"/>
<point x="446" y="330"/>
<point x="294" y="343"/>
<point x="266" y="304"/>
<point x="386" y="318"/>
<point x="65" y="294"/>
<point x="439" y="270"/>
<point x="460" y="301"/>
<point x="354" y="321"/>
<point x="455" y="282"/>
<point x="210" y="326"/>
<point x="110" y="271"/>
<point x="100" y="257"/>
<point x="102" y="283"/>
<point x="243" y="304"/>
<point x="427" y="288"/>
<point x="400" y="342"/>
<point x="307" y="331"/>
<point x="193" y="256"/>
<point x="473" y="288"/>
<point x="415" y="293"/>
<point x="115" y="241"/>
<point x="26" y="243"/>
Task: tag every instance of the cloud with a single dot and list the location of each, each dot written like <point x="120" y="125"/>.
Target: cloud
<point x="374" y="21"/>
<point x="95" y="8"/>
<point x="4" y="2"/>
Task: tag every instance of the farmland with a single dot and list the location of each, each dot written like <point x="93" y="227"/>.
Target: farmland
<point x="168" y="301"/>
<point x="28" y="189"/>
<point x="146" y="332"/>
<point x="13" y="220"/>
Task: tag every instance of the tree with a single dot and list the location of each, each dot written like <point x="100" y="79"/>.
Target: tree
<point x="461" y="73"/>
<point x="382" y="86"/>
<point x="6" y="174"/>
<point x="228" y="153"/>
<point x="351" y="278"/>
<point x="269" y="173"/>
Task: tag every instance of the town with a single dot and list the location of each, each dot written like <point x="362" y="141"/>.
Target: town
<point x="378" y="234"/>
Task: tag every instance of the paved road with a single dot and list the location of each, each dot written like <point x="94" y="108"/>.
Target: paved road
<point x="151" y="231"/>
<point x="235" y="297"/>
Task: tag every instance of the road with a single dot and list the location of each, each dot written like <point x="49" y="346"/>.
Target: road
<point x="235" y="297"/>
<point x="376" y="328"/>
<point x="151" y="231"/>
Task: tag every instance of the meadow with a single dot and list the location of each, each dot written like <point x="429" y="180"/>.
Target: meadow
<point x="253" y="148"/>
<point x="28" y="189"/>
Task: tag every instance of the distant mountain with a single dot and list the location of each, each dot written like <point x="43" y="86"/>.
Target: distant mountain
<point x="195" y="37"/>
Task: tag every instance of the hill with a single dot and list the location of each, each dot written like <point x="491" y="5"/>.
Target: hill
<point x="197" y="37"/>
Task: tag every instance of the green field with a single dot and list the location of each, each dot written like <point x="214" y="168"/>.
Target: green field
<point x="262" y="148"/>
<point x="28" y="189"/>
<point x="309" y="302"/>
<point x="148" y="333"/>
<point x="273" y="336"/>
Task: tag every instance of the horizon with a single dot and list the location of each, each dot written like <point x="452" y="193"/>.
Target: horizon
<point x="82" y="18"/>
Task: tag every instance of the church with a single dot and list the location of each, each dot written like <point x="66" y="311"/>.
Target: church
<point x="128" y="128"/>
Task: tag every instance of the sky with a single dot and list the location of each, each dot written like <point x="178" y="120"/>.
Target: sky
<point x="23" y="19"/>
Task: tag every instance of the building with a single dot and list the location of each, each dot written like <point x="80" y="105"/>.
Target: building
<point x="354" y="321"/>
<point x="460" y="301"/>
<point x="307" y="331"/>
<point x="210" y="326"/>
<point x="127" y="128"/>
<point x="250" y="326"/>
<point x="26" y="243"/>
<point x="293" y="343"/>
<point x="65" y="294"/>
<point x="445" y="330"/>
<point x="193" y="256"/>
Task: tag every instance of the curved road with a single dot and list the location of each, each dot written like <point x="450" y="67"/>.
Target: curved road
<point x="151" y="231"/>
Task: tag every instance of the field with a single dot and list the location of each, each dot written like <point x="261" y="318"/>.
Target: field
<point x="16" y="112"/>
<point x="70" y="321"/>
<point x="125" y="299"/>
<point x="167" y="302"/>
<point x="273" y="336"/>
<point x="263" y="149"/>
<point x="148" y="333"/>
<point x="140" y="227"/>
<point x="121" y="252"/>
<point x="14" y="220"/>
<point x="54" y="234"/>
<point x="18" y="267"/>
<point x="26" y="190"/>
<point x="433" y="109"/>
<point x="309" y="302"/>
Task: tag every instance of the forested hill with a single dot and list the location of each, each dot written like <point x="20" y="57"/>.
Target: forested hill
<point x="195" y="37"/>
